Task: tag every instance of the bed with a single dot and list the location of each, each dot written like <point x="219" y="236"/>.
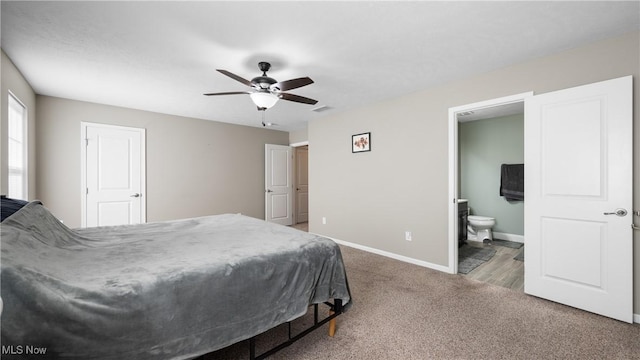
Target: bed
<point x="164" y="290"/>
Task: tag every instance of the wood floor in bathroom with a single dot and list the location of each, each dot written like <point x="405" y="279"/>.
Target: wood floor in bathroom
<point x="502" y="269"/>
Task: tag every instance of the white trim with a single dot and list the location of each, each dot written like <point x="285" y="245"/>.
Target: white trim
<point x="390" y="255"/>
<point x="453" y="193"/>
<point x="83" y="173"/>
<point x="510" y="237"/>
<point x="453" y="167"/>
<point x="636" y="317"/>
<point x="499" y="235"/>
<point x="301" y="143"/>
<point x="25" y="144"/>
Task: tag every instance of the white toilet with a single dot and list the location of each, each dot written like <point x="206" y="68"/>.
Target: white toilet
<point x="479" y="228"/>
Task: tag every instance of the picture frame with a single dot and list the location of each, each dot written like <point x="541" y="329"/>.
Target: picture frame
<point x="361" y="142"/>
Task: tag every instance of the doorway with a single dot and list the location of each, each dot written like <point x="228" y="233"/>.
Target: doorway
<point x="479" y="110"/>
<point x="578" y="191"/>
<point x="301" y="183"/>
<point x="489" y="140"/>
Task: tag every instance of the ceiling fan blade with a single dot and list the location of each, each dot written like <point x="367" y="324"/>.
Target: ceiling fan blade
<point x="235" y="77"/>
<point x="297" y="98"/>
<point x="292" y="84"/>
<point x="229" y="93"/>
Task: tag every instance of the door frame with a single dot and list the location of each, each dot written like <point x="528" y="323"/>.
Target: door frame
<point x="83" y="168"/>
<point x="454" y="181"/>
<point x="295" y="178"/>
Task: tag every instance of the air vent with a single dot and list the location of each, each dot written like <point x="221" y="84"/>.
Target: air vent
<point x="321" y="108"/>
<point x="466" y="113"/>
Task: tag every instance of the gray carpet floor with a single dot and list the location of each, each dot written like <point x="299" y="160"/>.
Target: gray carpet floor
<point x="403" y="311"/>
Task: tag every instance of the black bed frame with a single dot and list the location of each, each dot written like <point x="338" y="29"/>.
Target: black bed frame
<point x="335" y="310"/>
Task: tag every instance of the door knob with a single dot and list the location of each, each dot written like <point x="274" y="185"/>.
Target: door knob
<point x="618" y="212"/>
<point x="269" y="190"/>
<point x="136" y="195"/>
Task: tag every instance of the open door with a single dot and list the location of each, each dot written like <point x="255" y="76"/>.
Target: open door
<point x="278" y="184"/>
<point x="578" y="197"/>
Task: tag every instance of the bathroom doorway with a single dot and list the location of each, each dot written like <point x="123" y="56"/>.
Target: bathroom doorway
<point x="488" y="140"/>
<point x="482" y="125"/>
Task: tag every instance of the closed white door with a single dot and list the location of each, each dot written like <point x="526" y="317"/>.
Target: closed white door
<point x="302" y="184"/>
<point x="114" y="174"/>
<point x="578" y="197"/>
<point x="279" y="184"/>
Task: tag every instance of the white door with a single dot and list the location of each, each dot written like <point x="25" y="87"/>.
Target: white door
<point x="113" y="174"/>
<point x="302" y="184"/>
<point x="578" y="186"/>
<point x="279" y="184"/>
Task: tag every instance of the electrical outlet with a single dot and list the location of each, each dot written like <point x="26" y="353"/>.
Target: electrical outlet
<point x="324" y="220"/>
<point x="407" y="235"/>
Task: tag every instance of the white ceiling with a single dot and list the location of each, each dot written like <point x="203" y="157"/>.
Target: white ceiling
<point x="162" y="56"/>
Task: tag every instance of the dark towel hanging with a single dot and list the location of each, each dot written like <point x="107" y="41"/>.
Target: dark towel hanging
<point x="512" y="182"/>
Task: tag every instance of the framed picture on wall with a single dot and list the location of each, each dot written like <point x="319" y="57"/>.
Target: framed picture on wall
<point x="361" y="142"/>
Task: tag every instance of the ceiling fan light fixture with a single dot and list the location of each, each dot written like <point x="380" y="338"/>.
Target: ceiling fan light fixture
<point x="266" y="91"/>
<point x="264" y="99"/>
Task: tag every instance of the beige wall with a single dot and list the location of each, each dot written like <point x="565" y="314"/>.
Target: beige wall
<point x="372" y="198"/>
<point x="298" y="136"/>
<point x="194" y="167"/>
<point x="197" y="167"/>
<point x="12" y="80"/>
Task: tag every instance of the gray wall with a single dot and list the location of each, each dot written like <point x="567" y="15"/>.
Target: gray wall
<point x="194" y="167"/>
<point x="484" y="146"/>
<point x="371" y="198"/>
<point x="12" y="80"/>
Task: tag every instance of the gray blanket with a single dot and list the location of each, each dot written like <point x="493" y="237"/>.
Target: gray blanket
<point x="166" y="290"/>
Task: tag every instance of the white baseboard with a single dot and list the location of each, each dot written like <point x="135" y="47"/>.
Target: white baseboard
<point x="510" y="237"/>
<point x="501" y="236"/>
<point x="636" y="317"/>
<point x="391" y="255"/>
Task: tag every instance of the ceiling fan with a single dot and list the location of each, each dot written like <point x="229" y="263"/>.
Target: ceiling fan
<point x="267" y="91"/>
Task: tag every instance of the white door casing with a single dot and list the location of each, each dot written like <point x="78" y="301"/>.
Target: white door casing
<point x="578" y="172"/>
<point x="279" y="184"/>
<point x="302" y="184"/>
<point x="454" y="163"/>
<point x="113" y="175"/>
